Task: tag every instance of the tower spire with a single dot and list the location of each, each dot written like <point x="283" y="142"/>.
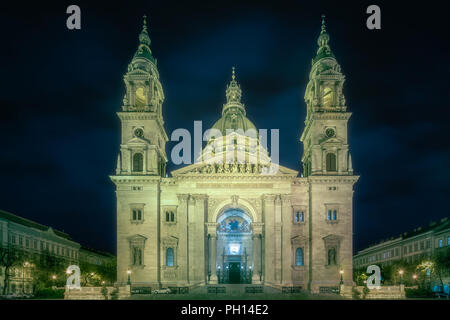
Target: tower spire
<point x="144" y="38"/>
<point x="324" y="48"/>
<point x="324" y="29"/>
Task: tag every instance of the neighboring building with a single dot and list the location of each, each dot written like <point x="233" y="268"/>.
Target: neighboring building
<point x="224" y="219"/>
<point x="35" y="240"/>
<point x="96" y="257"/>
<point x="411" y="247"/>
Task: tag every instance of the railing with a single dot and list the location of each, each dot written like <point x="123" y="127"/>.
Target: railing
<point x="254" y="289"/>
<point x="245" y="277"/>
<point x="216" y="289"/>
<point x="291" y="289"/>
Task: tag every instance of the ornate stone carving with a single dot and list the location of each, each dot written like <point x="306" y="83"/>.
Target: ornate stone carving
<point x="231" y="168"/>
<point x="234" y="201"/>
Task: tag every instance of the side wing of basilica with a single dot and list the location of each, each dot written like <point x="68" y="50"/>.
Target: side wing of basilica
<point x="223" y="219"/>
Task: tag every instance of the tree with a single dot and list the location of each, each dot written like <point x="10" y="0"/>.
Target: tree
<point x="442" y="263"/>
<point x="438" y="266"/>
<point x="10" y="257"/>
<point x="48" y="270"/>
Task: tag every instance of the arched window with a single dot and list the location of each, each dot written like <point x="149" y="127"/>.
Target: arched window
<point x="172" y="216"/>
<point x="169" y="257"/>
<point x="299" y="257"/>
<point x="138" y="162"/>
<point x="327" y="97"/>
<point x="141" y="99"/>
<point x="331" y="162"/>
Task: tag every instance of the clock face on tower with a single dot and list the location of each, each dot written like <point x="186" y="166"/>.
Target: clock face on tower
<point x="329" y="132"/>
<point x="139" y="133"/>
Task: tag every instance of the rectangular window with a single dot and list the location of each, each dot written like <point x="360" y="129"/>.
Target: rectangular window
<point x="170" y="216"/>
<point x="42" y="245"/>
<point x="396" y="252"/>
<point x="136" y="214"/>
<point x="20" y="241"/>
<point x="137" y="258"/>
<point x="27" y="243"/>
<point x="410" y="248"/>
<point x="441" y="243"/>
<point x="428" y="244"/>
<point x="422" y="245"/>
<point x="448" y="241"/>
<point x="35" y="244"/>
<point x="416" y="246"/>
<point x="299" y="216"/>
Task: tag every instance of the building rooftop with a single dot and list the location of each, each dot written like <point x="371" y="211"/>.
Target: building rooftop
<point x="99" y="252"/>
<point x="432" y="227"/>
<point x="31" y="224"/>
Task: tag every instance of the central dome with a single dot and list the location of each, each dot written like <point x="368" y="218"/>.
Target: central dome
<point x="233" y="121"/>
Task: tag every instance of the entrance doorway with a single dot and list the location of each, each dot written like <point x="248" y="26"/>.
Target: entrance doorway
<point x="234" y="272"/>
<point x="234" y="251"/>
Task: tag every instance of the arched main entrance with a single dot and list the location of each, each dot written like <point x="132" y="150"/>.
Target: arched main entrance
<point x="234" y="254"/>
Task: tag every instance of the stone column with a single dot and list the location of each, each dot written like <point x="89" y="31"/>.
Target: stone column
<point x="130" y="160"/>
<point x="212" y="254"/>
<point x="269" y="237"/>
<point x="277" y="237"/>
<point x="183" y="247"/>
<point x="144" y="161"/>
<point x="256" y="279"/>
<point x="286" y="252"/>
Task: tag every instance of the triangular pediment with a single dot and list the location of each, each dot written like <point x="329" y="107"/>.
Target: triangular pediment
<point x="299" y="240"/>
<point x="332" y="141"/>
<point x="136" y="141"/>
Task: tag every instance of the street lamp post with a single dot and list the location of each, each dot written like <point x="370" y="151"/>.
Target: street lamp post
<point x="129" y="277"/>
<point x="23" y="277"/>
<point x="54" y="280"/>
<point x="401" y="276"/>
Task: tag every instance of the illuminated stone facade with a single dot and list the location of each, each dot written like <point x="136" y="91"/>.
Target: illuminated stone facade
<point x="224" y="219"/>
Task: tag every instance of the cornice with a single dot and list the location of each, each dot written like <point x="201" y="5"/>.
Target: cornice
<point x="331" y="115"/>
<point x="134" y="179"/>
<point x="333" y="179"/>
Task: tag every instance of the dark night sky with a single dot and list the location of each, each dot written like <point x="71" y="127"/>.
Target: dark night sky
<point x="61" y="90"/>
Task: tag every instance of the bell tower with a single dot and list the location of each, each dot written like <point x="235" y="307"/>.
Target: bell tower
<point x="142" y="149"/>
<point x="326" y="150"/>
<point x="328" y="167"/>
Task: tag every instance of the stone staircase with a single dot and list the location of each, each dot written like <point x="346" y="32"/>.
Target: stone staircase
<point x="383" y="293"/>
<point x="95" y="293"/>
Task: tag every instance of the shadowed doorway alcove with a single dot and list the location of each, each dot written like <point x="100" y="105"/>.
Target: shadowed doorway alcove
<point x="234" y="254"/>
